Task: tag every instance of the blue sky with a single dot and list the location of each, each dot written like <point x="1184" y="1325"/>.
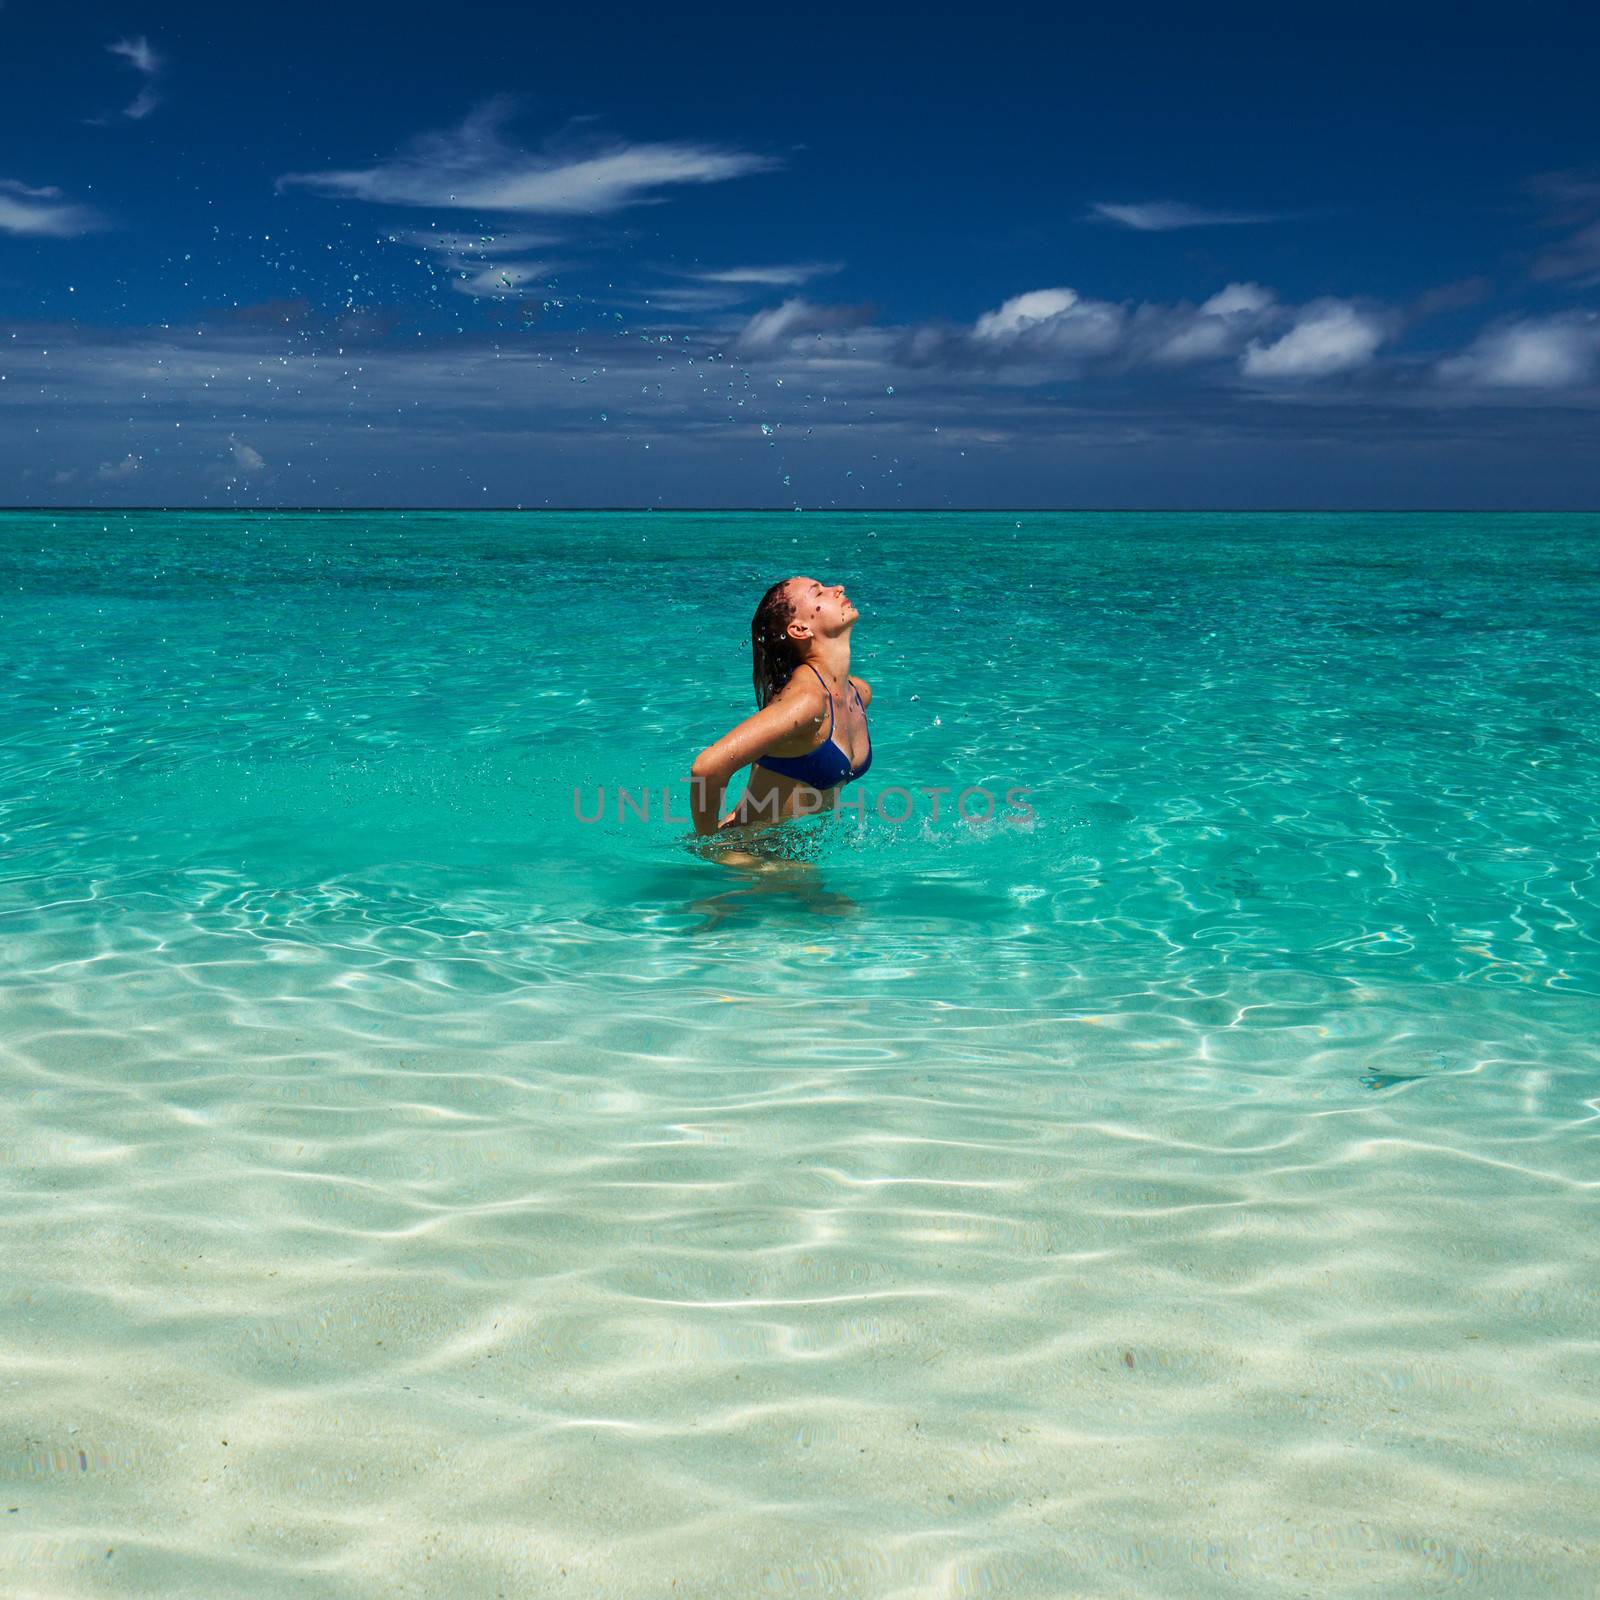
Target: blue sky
<point x="1160" y="256"/>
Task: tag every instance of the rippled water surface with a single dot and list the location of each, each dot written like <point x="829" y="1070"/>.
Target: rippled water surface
<point x="1185" y="1189"/>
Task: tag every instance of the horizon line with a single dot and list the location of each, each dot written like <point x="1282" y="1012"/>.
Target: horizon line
<point x="875" y="511"/>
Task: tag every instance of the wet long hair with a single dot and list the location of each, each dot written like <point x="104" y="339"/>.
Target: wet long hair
<point x="774" y="655"/>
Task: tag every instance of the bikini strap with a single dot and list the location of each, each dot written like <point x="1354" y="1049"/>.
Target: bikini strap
<point x="827" y="691"/>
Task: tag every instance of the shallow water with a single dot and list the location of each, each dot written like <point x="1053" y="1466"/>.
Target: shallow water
<point x="1188" y="1189"/>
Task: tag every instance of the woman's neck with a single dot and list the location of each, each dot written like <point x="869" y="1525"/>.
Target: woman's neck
<point x="831" y="657"/>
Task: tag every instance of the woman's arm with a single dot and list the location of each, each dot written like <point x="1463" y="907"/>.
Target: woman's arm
<point x="799" y="709"/>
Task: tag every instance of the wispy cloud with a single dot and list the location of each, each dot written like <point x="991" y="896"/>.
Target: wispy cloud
<point x="43" y="213"/>
<point x="463" y="244"/>
<point x="143" y="59"/>
<point x="689" y="299"/>
<point x="706" y="292"/>
<point x="138" y="53"/>
<point x="514" y="279"/>
<point x="1556" y="352"/>
<point x="779" y="277"/>
<point x="489" y="266"/>
<point x="1447" y="297"/>
<point x="474" y="168"/>
<point x="1577" y="257"/>
<point x="796" y="318"/>
<point x="1572" y="202"/>
<point x="1162" y="216"/>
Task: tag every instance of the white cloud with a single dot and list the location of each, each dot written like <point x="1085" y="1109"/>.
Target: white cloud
<point x="1328" y="336"/>
<point x="246" y="456"/>
<point x="1024" y="309"/>
<point x="473" y="168"/>
<point x="125" y="468"/>
<point x="766" y="328"/>
<point x="1247" y="299"/>
<point x="144" y="60"/>
<point x="1161" y="216"/>
<point x="1558" y="352"/>
<point x="1219" y="328"/>
<point x="1063" y="332"/>
<point x="43" y="213"/>
<point x="1058" y="320"/>
<point x="781" y="277"/>
<point x="142" y="104"/>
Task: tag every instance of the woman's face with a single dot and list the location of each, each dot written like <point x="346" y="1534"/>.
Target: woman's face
<point x="823" y="610"/>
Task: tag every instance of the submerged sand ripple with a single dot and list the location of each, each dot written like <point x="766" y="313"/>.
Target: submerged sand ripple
<point x="341" y="1277"/>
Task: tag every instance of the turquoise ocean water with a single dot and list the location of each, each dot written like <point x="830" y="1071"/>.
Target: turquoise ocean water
<point x="410" y="1188"/>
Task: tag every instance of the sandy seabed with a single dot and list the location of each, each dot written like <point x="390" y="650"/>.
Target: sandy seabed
<point x="357" y="1273"/>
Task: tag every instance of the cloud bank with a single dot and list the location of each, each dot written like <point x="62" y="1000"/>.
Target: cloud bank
<point x="817" y="394"/>
<point x="1058" y="332"/>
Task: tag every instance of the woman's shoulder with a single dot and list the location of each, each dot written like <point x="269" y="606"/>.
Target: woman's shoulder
<point x="863" y="688"/>
<point x="801" y="698"/>
<point x="804" y="688"/>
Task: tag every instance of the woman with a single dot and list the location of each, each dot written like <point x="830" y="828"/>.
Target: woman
<point x="809" y="736"/>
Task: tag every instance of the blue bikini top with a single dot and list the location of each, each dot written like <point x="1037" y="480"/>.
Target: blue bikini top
<point x="827" y="766"/>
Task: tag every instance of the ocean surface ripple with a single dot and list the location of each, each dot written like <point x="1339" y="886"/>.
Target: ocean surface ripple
<point x="408" y="1188"/>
